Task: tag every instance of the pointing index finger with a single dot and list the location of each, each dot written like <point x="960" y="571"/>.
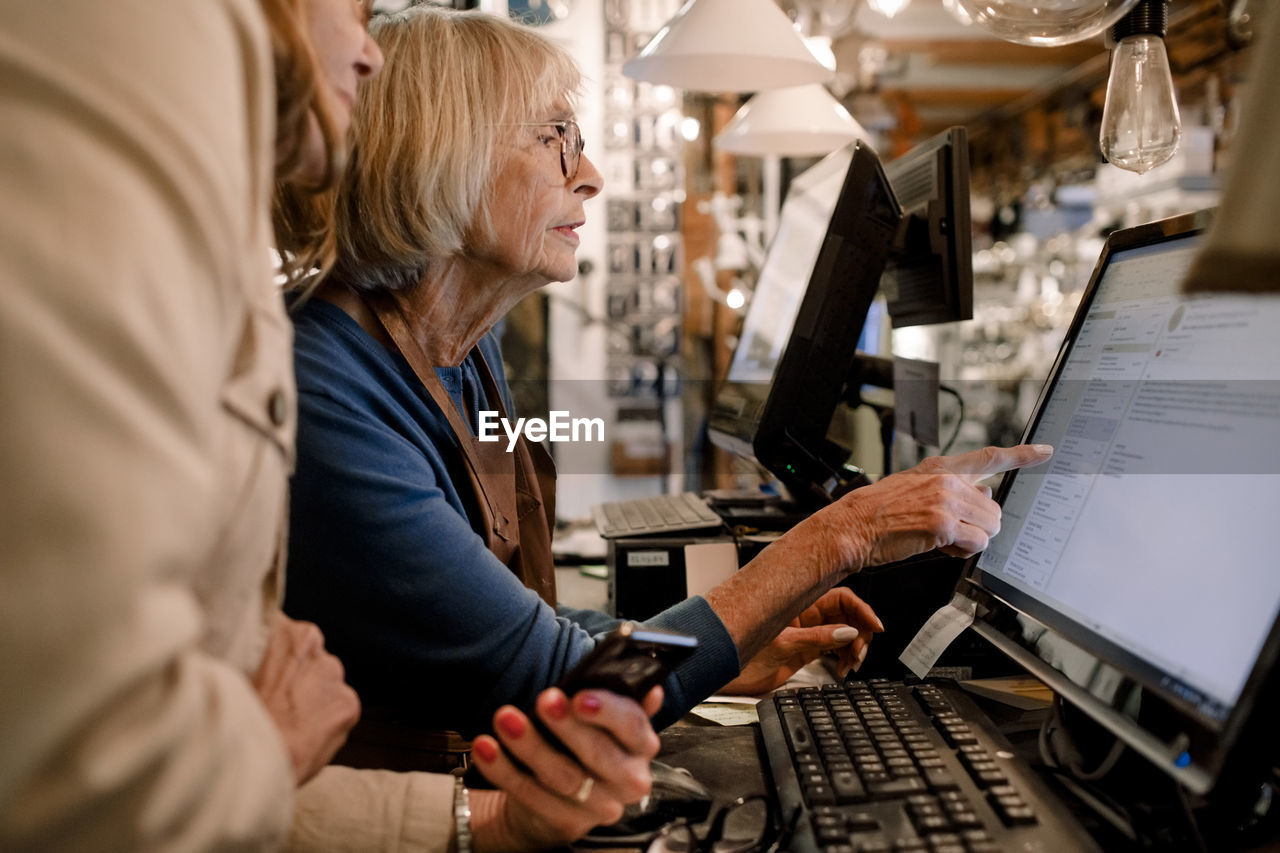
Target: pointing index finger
<point x="979" y="464"/>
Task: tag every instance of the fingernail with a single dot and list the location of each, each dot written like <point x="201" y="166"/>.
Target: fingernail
<point x="512" y="725"/>
<point x="557" y="707"/>
<point x="844" y="634"/>
<point x="862" y="656"/>
<point x="485" y="750"/>
<point x="1043" y="449"/>
<point x="589" y="704"/>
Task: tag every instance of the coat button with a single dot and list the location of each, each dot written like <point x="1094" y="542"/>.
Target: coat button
<point x="278" y="407"/>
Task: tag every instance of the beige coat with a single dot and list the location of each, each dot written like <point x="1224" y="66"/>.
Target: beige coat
<point x="139" y="347"/>
<point x="145" y="444"/>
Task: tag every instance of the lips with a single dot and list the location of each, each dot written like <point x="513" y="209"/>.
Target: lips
<point x="568" y="231"/>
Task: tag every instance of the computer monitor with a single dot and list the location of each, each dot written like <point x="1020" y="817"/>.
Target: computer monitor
<point x="1135" y="573"/>
<point x="841" y="227"/>
<point x="929" y="277"/>
<point x="811" y="302"/>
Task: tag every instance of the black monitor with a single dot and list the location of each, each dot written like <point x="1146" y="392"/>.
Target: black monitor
<point x="929" y="277"/>
<point x="1136" y="572"/>
<point x="799" y="339"/>
<point x="841" y="227"/>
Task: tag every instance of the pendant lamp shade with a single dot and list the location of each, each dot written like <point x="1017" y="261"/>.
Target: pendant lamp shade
<point x="727" y="46"/>
<point x="803" y="121"/>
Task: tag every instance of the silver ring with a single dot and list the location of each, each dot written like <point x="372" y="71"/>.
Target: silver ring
<point x="584" y="790"/>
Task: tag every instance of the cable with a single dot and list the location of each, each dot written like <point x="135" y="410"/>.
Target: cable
<point x="955" y="433"/>
<point x="1102" y="804"/>
<point x="1185" y="803"/>
<point x="1059" y="753"/>
<point x="1058" y="748"/>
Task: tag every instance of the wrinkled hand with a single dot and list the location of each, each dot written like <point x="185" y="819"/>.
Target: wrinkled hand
<point x="838" y="621"/>
<point x="560" y="797"/>
<point x="937" y="504"/>
<point x="303" y="689"/>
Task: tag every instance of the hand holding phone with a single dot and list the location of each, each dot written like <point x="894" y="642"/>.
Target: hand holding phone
<point x="630" y="660"/>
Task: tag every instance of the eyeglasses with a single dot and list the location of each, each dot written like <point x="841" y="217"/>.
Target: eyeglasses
<point x="747" y="825"/>
<point x="571" y="143"/>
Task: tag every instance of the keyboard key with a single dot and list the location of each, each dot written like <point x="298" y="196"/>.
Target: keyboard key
<point x="1018" y="816"/>
<point x="987" y="778"/>
<point x="932" y="823"/>
<point x="819" y="794"/>
<point x="828" y="835"/>
<point x="896" y="786"/>
<point x="985" y="847"/>
<point x="848" y="787"/>
<point x="939" y="778"/>
<point x="932" y="808"/>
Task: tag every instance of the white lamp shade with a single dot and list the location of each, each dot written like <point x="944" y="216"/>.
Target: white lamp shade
<point x="727" y="46"/>
<point x="804" y="121"/>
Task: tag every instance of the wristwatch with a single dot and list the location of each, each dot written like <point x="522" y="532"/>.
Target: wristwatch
<point x="461" y="816"/>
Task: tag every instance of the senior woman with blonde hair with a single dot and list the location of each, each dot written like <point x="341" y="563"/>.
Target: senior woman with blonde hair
<point x="424" y="553"/>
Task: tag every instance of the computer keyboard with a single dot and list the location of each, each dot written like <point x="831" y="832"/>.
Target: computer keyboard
<point x="656" y="515"/>
<point x="885" y="766"/>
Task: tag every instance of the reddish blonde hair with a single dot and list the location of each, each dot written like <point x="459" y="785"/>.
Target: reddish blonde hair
<point x="302" y="211"/>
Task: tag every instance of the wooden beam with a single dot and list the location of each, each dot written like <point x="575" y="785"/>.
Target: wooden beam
<point x="954" y="96"/>
<point x="995" y="52"/>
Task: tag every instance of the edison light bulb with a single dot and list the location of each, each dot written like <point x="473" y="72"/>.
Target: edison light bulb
<point x="1140" y="122"/>
<point x="1045" y="23"/>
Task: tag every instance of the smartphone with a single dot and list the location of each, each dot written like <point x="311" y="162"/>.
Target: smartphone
<point x="630" y="660"/>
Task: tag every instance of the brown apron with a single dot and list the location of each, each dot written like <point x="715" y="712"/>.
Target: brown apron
<point x="516" y="495"/>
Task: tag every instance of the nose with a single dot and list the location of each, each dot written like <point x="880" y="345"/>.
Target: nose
<point x="369" y="62"/>
<point x="588" y="182"/>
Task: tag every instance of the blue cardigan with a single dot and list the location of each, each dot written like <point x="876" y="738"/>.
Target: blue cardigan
<point x="384" y="555"/>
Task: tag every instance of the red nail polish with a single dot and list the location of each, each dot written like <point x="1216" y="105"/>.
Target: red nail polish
<point x="512" y="725"/>
<point x="589" y="704"/>
<point x="485" y="750"/>
<point x="558" y="707"/>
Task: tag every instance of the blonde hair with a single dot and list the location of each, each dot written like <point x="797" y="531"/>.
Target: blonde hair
<point x="426" y="137"/>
